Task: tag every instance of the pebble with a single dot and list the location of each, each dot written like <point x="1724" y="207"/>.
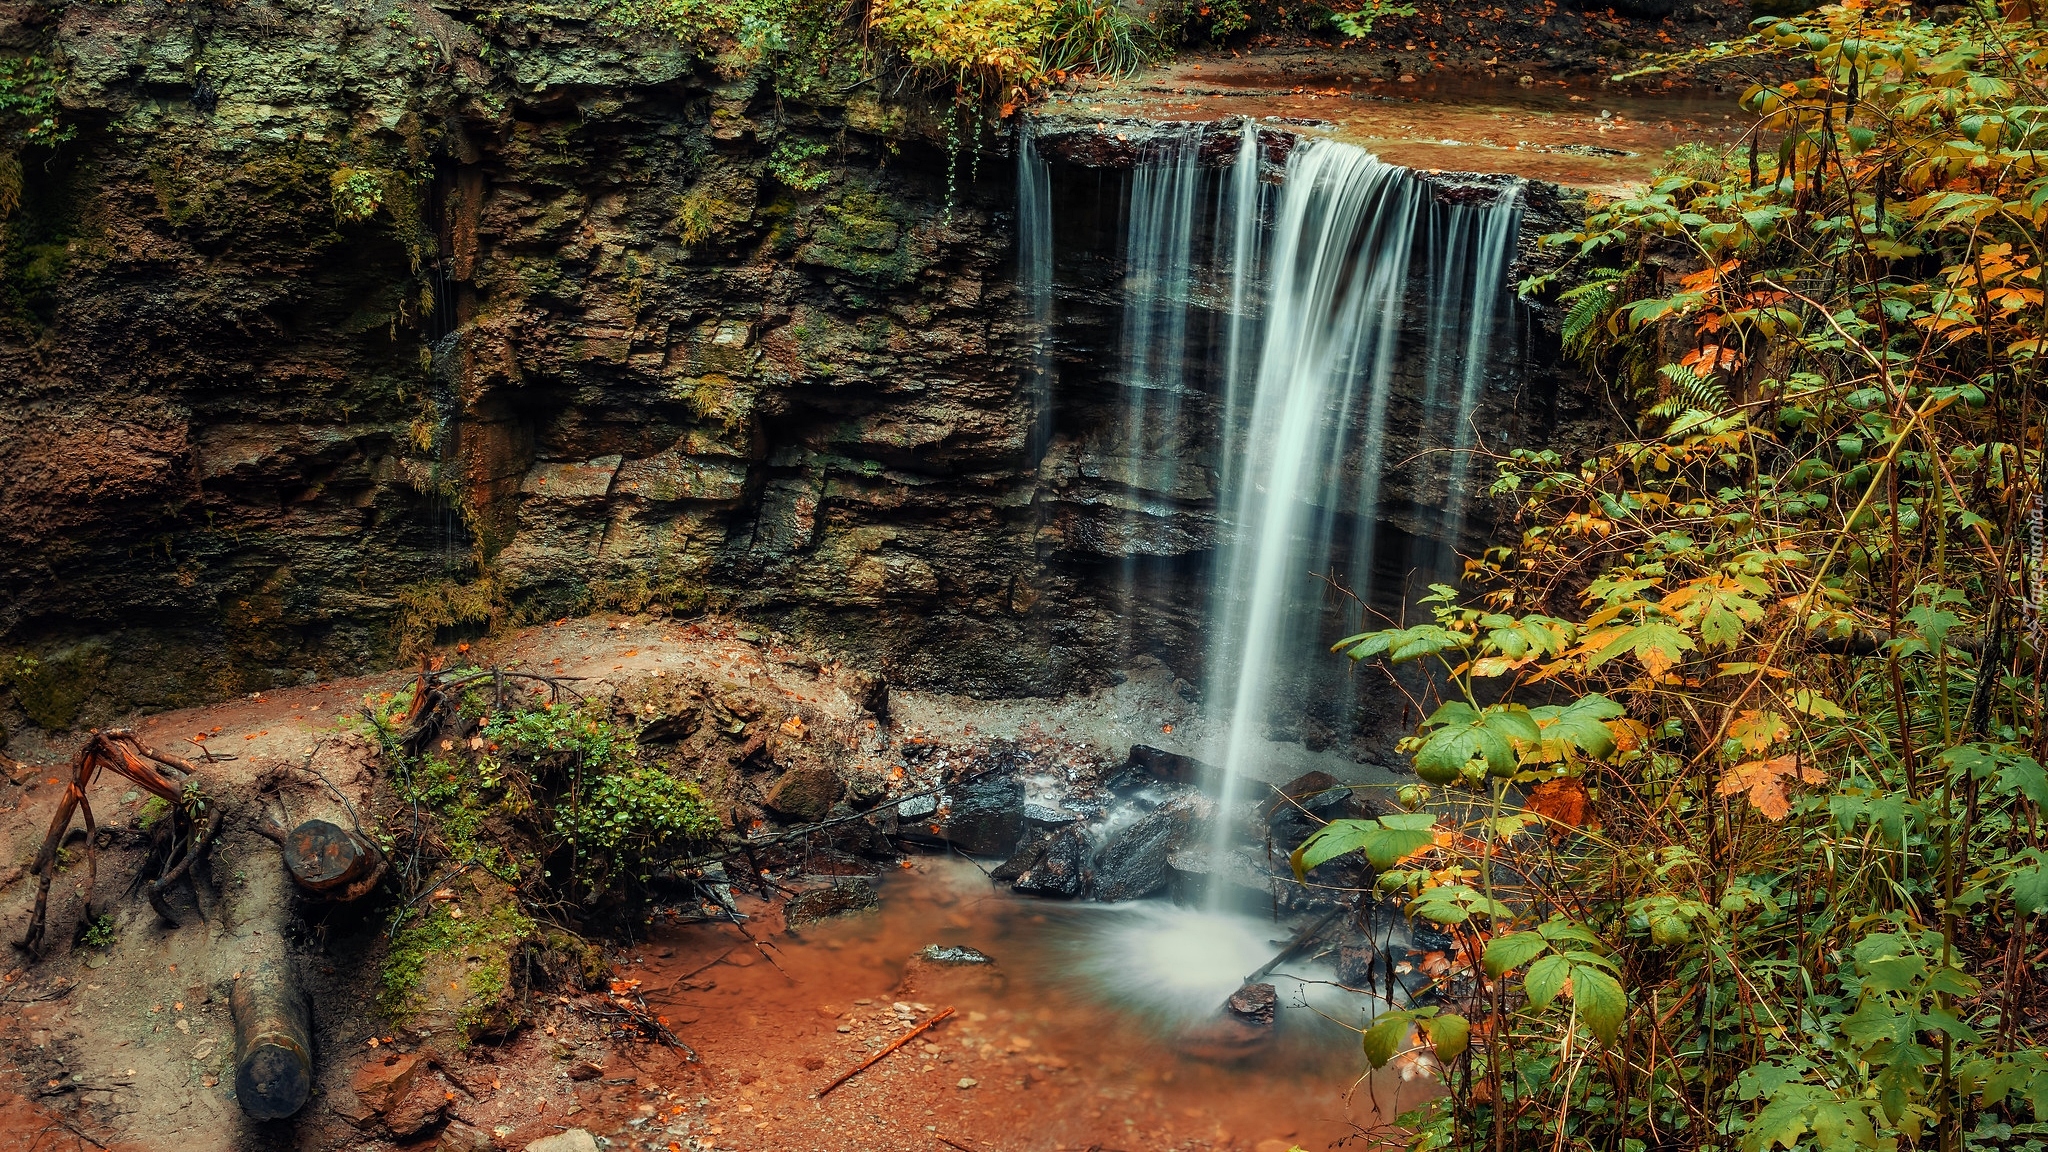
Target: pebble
<point x="968" y="1082"/>
<point x="846" y="1027"/>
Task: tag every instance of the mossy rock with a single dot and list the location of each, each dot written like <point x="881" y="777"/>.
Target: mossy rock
<point x="450" y="970"/>
<point x="865" y="234"/>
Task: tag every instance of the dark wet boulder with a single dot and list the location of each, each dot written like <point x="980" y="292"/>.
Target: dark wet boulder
<point x="1058" y="870"/>
<point x="1029" y="851"/>
<point x="984" y="817"/>
<point x="1305" y="804"/>
<point x="1148" y="765"/>
<point x="941" y="970"/>
<point x="1132" y="863"/>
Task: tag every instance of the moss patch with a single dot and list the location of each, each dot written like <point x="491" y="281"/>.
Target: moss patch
<point x="452" y="967"/>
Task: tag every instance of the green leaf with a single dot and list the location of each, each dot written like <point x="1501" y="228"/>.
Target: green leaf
<point x="1504" y="954"/>
<point x="1384" y="1040"/>
<point x="1545" y="980"/>
<point x="1657" y="643"/>
<point x="2029" y="883"/>
<point x="1384" y="841"/>
<point x="1449" y="1033"/>
<point x="1601" y="1002"/>
<point x="1579" y="724"/>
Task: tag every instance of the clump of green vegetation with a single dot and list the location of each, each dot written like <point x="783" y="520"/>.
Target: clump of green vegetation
<point x="619" y="817"/>
<point x="424" y="609"/>
<point x="465" y="796"/>
<point x="102" y="932"/>
<point x="1706" y="163"/>
<point x="1095" y="35"/>
<point x="633" y="819"/>
<point x="794" y="163"/>
<point x="581" y="733"/>
<point x="1739" y="733"/>
<point x="153" y="809"/>
<point x="359" y="193"/>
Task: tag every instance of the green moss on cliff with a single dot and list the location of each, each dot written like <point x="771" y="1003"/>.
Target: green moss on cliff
<point x="51" y="690"/>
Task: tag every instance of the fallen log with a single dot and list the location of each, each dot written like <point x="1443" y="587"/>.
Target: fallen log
<point x="906" y="1038"/>
<point x="273" y="1042"/>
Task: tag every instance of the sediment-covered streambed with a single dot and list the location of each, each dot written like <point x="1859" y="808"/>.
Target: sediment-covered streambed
<point x="1088" y="1026"/>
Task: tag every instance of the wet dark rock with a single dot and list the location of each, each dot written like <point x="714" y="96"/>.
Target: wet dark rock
<point x="1197" y="875"/>
<point x="838" y="898"/>
<point x="1357" y="964"/>
<point x="1058" y="868"/>
<point x="1132" y="863"/>
<point x="1046" y="816"/>
<point x="1305" y="804"/>
<point x="1029" y="851"/>
<point x="942" y="970"/>
<point x="984" y="817"/>
<point x="1254" y="1003"/>
<point x="1147" y="764"/>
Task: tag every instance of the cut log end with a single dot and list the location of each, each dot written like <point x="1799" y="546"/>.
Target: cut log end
<point x="329" y="860"/>
<point x="273" y="1044"/>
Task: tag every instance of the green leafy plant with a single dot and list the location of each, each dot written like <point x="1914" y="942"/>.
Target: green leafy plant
<point x="1736" y="735"/>
<point x="100" y="932"/>
<point x="794" y="164"/>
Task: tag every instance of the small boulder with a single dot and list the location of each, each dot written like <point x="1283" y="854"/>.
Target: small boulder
<point x="1133" y="862"/>
<point x="1254" y="1003"/>
<point x="383" y="1081"/>
<point x="1028" y="852"/>
<point x="944" y="970"/>
<point x="1058" y="871"/>
<point x="1146" y="764"/>
<point x="805" y="793"/>
<point x="423" y="1106"/>
<point x="984" y="818"/>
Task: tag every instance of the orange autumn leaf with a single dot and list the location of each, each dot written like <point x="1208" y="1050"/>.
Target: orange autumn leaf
<point x="1765" y="781"/>
<point x="1563" y="802"/>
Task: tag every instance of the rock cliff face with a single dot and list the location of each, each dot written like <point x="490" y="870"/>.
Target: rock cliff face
<point x="338" y="329"/>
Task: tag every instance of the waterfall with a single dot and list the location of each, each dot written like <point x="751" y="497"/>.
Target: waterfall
<point x="1496" y="229"/>
<point x="1160" y="261"/>
<point x="1362" y="312"/>
<point x="1034" y="277"/>
<point x="1336" y="267"/>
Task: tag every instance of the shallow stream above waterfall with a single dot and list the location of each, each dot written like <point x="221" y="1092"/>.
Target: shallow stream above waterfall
<point x="1576" y="132"/>
<point x="1084" y="1032"/>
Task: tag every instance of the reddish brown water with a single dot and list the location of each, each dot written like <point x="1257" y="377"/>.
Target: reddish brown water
<point x="1578" y="133"/>
<point x="1089" y="1036"/>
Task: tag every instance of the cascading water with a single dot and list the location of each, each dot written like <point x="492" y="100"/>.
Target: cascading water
<point x="1362" y="311"/>
<point x="1034" y="277"/>
<point x="1336" y="268"/>
<point x="1468" y="255"/>
<point x="1500" y="223"/>
<point x="1160" y="261"/>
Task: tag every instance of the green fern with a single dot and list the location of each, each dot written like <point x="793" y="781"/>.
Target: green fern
<point x="1687" y="395"/>
<point x="1590" y="303"/>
